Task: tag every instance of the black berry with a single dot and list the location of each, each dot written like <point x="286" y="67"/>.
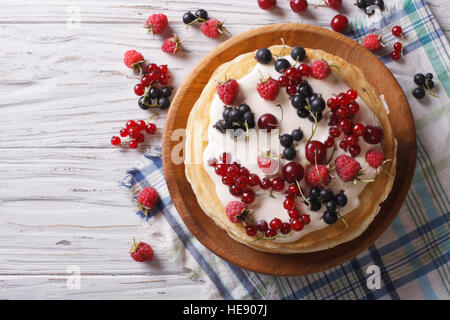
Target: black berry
<point x="264" y="56"/>
<point x="419" y="93"/>
<point x="314" y="193"/>
<point x="166" y="91"/>
<point x="361" y="4"/>
<point x="289" y="153"/>
<point x="235" y="115"/>
<point x="154" y="93"/>
<point x="329" y="217"/>
<point x="302" y="113"/>
<point x="341" y="199"/>
<point x="315" y="116"/>
<point x="142" y="105"/>
<point x="281" y="65"/>
<point x="202" y="14"/>
<point x="305" y="90"/>
<point x="298" y="101"/>
<point x="331" y="206"/>
<point x="248" y="116"/>
<point x="326" y="195"/>
<point x="189" y="17"/>
<point x="226" y="112"/>
<point x="317" y="104"/>
<point x="419" y="79"/>
<point x="164" y="102"/>
<point x="298" y="53"/>
<point x="286" y="140"/>
<point x="315" y="205"/>
<point x="244" y="108"/>
<point x="429" y="76"/>
<point x="297" y="134"/>
<point x="429" y="84"/>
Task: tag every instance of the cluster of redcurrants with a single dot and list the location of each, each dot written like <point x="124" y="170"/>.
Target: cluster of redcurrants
<point x="397" y="31"/>
<point x="135" y="131"/>
<point x="343" y="110"/>
<point x="150" y="94"/>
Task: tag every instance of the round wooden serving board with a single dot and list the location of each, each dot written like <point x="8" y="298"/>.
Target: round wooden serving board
<point x="214" y="238"/>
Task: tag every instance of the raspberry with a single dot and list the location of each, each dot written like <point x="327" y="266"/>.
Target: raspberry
<point x="141" y="251"/>
<point x="375" y="158"/>
<point x="213" y="28"/>
<point x="268" y="89"/>
<point x="133" y="60"/>
<point x="236" y="211"/>
<point x="372" y="42"/>
<point x="334" y="4"/>
<point x="157" y="23"/>
<point x="317" y="176"/>
<point x="147" y="199"/>
<point x="172" y="45"/>
<point x="228" y="90"/>
<point x="347" y="168"/>
<point x="320" y="69"/>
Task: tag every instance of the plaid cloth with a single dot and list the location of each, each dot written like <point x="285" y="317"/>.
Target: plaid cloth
<point x="413" y="254"/>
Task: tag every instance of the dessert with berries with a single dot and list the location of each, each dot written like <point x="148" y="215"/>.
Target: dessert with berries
<point x="290" y="150"/>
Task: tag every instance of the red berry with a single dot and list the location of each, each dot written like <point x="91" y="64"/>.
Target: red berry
<point x="315" y="152"/>
<point x="262" y="225"/>
<point x="342" y="99"/>
<point x="115" y="141"/>
<point x="270" y="233"/>
<point x="288" y="203"/>
<point x="332" y="103"/>
<point x="277" y="184"/>
<point x="343" y="145"/>
<point x="220" y="169"/>
<point x="372" y="42"/>
<point x="133" y="59"/>
<point x="329" y="142"/>
<point x="140" y="138"/>
<point x="352" y="94"/>
<point x="339" y="23"/>
<point x="358" y="129"/>
<point x="248" y="196"/>
<point x="235" y="190"/>
<point x="212" y="162"/>
<point x="292" y="172"/>
<point x="212" y="28"/>
<point x="353" y="107"/>
<point x="163" y="69"/>
<point x="141" y="124"/>
<point x="347" y="168"/>
<point x="157" y="23"/>
<point x="275" y="224"/>
<point x="163" y="79"/>
<point x="267" y="4"/>
<point x="133" y="132"/>
<point x="375" y="158"/>
<point x="320" y="69"/>
<point x="172" y="45"/>
<point x="291" y="90"/>
<point x="397" y="31"/>
<point x="396" y="55"/>
<point x="250" y="230"/>
<point x="341" y="112"/>
<point x="345" y="125"/>
<point x="305" y="219"/>
<point x="354" y="150"/>
<point x="139" y="89"/>
<point x="298" y="6"/>
<point x="293" y="188"/>
<point x="267" y="121"/>
<point x="291" y="73"/>
<point x="398" y="46"/>
<point x="235" y="210"/>
<point x="265" y="183"/>
<point x="294" y="213"/>
<point x="351" y="140"/>
<point x="268" y="89"/>
<point x="296" y="224"/>
<point x="283" y="81"/>
<point x="151" y="67"/>
<point x="123" y="132"/>
<point x="131" y="123"/>
<point x="145" y="80"/>
<point x="304" y="70"/>
<point x="133" y="144"/>
<point x="254" y="180"/>
<point x="317" y="176"/>
<point x="373" y="135"/>
<point x="150" y="128"/>
<point x="232" y="171"/>
<point x="244" y="172"/>
<point x="141" y="251"/>
<point x="285" y="228"/>
<point x="228" y="91"/>
<point x="227" y="180"/>
<point x="334" y="4"/>
<point x="242" y="182"/>
<point x="334" y="132"/>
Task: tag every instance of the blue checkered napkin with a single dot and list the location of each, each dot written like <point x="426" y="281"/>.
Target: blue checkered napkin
<point x="413" y="254"/>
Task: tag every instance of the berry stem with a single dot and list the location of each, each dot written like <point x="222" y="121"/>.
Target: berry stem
<point x="314" y="128"/>
<point x="278" y="236"/>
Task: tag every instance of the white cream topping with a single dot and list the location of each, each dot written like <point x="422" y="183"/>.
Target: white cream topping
<point x="266" y="207"/>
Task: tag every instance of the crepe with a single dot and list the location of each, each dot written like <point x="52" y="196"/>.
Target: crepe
<point x="204" y="188"/>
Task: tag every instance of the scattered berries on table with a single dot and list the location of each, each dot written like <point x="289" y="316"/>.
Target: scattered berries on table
<point x="372" y="42"/>
<point x="147" y="199"/>
<point x="134" y="130"/>
<point x="157" y="23"/>
<point x="213" y="28"/>
<point x="134" y="60"/>
<point x="425" y="83"/>
<point x="172" y="45"/>
<point x="299" y="6"/>
<point x="141" y="251"/>
<point x="397" y="31"/>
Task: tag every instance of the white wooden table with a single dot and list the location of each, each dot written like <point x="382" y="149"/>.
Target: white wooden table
<point x="64" y="92"/>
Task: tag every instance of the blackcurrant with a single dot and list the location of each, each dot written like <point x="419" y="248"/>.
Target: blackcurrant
<point x="281" y="65"/>
<point x="317" y="104"/>
<point x="329" y="217"/>
<point x="202" y="14"/>
<point x="250" y="123"/>
<point x="220" y="126"/>
<point x="235" y="115"/>
<point x="188" y="17"/>
<point x="429" y="84"/>
<point x="154" y="93"/>
<point x="315" y="205"/>
<point x="289" y="153"/>
<point x="244" y="108"/>
<point x="142" y="105"/>
<point x="429" y="76"/>
<point x="298" y="101"/>
<point x="305" y="90"/>
<point x="361" y="4"/>
<point x="419" y="93"/>
<point x="302" y="113"/>
<point x="298" y="53"/>
<point x="264" y="56"/>
<point x="326" y="195"/>
<point x="166" y="91"/>
<point x="226" y="112"/>
<point x="314" y="193"/>
<point x="164" y="102"/>
<point x="297" y="134"/>
<point x="315" y="116"/>
<point x="331" y="206"/>
<point x="419" y="79"/>
<point x="248" y="116"/>
<point x="286" y="140"/>
<point x="341" y="199"/>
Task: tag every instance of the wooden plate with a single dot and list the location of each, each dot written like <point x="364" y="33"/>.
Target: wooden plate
<point x="214" y="238"/>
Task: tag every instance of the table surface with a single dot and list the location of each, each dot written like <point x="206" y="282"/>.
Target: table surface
<point x="65" y="92"/>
